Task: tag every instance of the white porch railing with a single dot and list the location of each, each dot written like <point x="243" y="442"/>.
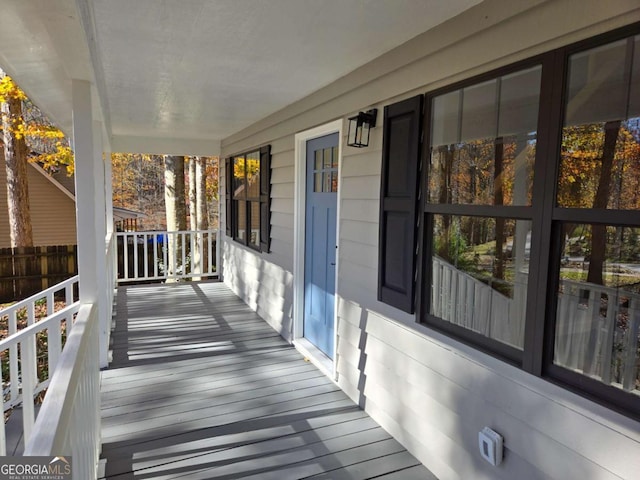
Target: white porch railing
<point x="19" y="356"/>
<point x="112" y="266"/>
<point x="69" y="419"/>
<point x="597" y="327"/>
<point x="463" y="300"/>
<point x="161" y="255"/>
<point x="598" y="333"/>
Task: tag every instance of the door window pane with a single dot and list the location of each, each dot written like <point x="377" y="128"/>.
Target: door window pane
<point x="480" y="274"/>
<point x="598" y="304"/>
<point x="327" y="158"/>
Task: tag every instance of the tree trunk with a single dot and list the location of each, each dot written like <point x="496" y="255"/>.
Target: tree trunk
<point x="201" y="194"/>
<point x="175" y="210"/>
<point x="193" y="214"/>
<point x="446" y="160"/>
<point x="498" y="199"/>
<point x="202" y="214"/>
<point x="599" y="232"/>
<point x="15" y="154"/>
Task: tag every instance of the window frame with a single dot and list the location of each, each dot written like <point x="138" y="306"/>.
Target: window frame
<point x="546" y="218"/>
<point x="612" y="397"/>
<point x="263" y="199"/>
<point x="503" y="351"/>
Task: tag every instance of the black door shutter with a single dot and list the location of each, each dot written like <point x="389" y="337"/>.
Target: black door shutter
<point x="398" y="203"/>
<point x="228" y="179"/>
<point x="265" y="198"/>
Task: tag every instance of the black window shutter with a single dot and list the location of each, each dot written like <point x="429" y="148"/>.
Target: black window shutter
<point x="228" y="179"/>
<point x="398" y="203"/>
<point x="265" y="198"/>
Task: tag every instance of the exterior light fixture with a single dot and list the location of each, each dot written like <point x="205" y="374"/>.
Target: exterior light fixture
<point x="359" y="128"/>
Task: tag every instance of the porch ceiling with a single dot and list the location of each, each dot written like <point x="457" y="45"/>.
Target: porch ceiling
<point x="178" y="76"/>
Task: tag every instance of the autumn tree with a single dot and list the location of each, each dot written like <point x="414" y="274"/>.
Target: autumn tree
<point x="598" y="232"/>
<point x="138" y="184"/>
<point x="15" y="156"/>
<point x="27" y="136"/>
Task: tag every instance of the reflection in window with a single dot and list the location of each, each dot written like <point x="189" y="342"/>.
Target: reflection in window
<point x="483" y="141"/>
<point x="598" y="310"/>
<point x="600" y="164"/>
<point x="254" y="216"/>
<point x="240" y="220"/>
<point x="246" y="198"/>
<point x="239" y="177"/>
<point x="480" y="272"/>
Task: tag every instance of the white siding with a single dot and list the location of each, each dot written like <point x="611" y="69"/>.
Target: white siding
<point x="431" y="392"/>
<point x="264" y="281"/>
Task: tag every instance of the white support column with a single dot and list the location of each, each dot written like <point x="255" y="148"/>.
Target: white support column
<point x="108" y="190"/>
<point x="89" y="246"/>
<point x="104" y="318"/>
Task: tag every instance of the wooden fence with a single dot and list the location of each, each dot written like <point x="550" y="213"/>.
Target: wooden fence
<point x="28" y="270"/>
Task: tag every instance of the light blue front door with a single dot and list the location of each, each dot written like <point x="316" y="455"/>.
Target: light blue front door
<point x="320" y="241"/>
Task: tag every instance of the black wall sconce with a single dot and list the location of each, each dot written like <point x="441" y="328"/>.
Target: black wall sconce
<point x="359" y="128"/>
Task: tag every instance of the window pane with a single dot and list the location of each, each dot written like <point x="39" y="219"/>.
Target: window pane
<point x="598" y="312"/>
<point x="239" y="184"/>
<point x="334" y="157"/>
<point x="480" y="274"/>
<point x="483" y="141"/>
<point x="318" y="160"/>
<point x="600" y="163"/>
<point x="253" y="175"/>
<point x="317" y="182"/>
<point x="240" y="220"/>
<point x="254" y="218"/>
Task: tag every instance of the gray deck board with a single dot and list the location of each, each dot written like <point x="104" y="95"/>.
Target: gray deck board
<point x="201" y="388"/>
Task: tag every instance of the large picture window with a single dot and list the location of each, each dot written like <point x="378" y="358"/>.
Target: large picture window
<point x="248" y="192"/>
<point x="530" y="219"/>
<point x="597" y="222"/>
<point x="481" y="159"/>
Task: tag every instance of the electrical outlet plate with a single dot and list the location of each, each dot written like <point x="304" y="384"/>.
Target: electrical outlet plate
<point x="490" y="443"/>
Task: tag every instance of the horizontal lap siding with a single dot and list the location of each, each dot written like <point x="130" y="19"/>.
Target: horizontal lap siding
<point x="439" y="400"/>
<point x="433" y="393"/>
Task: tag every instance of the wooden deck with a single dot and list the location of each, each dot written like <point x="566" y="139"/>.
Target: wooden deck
<point x="201" y="387"/>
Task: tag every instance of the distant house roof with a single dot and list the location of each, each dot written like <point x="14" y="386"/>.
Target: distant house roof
<point x="120" y="213"/>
